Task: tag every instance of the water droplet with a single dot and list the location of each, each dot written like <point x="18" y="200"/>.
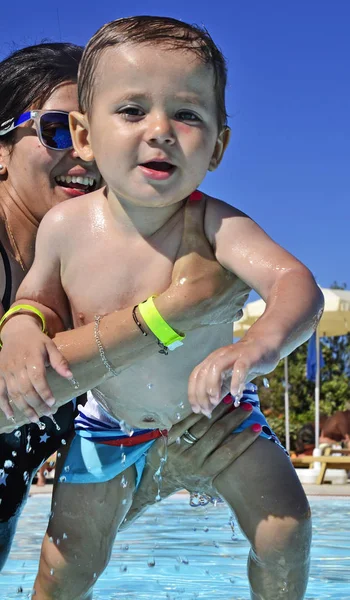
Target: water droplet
<point x="52" y="571"/>
<point x="74" y="383"/>
<point x="58" y="454"/>
<point x="94" y="575"/>
<point x="206" y="529"/>
<point x="266" y="382"/>
<point x="26" y="476"/>
<point x="63" y="442"/>
<point x="55" y="423"/>
<point x="62" y="479"/>
<point x="232" y="580"/>
<point x="123" y="482"/>
<point x="51" y="539"/>
<point x="178" y="441"/>
<point x="123" y="569"/>
<point x="149" y="386"/>
<point x="14" y="453"/>
<point x="28" y="446"/>
<point x="64" y="536"/>
<point x="41" y="425"/>
<point x="151" y="561"/>
<point x="51" y="463"/>
<point x="123" y="458"/>
<point x="17" y="433"/>
<point x="158" y="498"/>
<point x="46" y="473"/>
<point x="124" y="547"/>
<point x="178" y="416"/>
<point x="67" y="468"/>
<point x="8" y="464"/>
<point x="182" y="405"/>
<point x="58" y="541"/>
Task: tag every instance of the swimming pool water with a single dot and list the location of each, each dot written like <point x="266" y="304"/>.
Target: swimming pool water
<point x="175" y="552"/>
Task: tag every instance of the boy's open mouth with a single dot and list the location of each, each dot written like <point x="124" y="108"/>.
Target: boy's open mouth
<point x="158" y="166"/>
<point x="157" y="170"/>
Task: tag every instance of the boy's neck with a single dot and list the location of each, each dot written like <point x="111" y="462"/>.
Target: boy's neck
<point x="142" y="220"/>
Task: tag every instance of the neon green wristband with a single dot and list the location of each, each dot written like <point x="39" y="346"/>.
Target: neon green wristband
<point x="167" y="336"/>
<point x="26" y="308"/>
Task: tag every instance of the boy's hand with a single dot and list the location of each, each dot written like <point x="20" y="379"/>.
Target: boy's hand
<point x="236" y="364"/>
<point x="25" y="354"/>
<point x="204" y="292"/>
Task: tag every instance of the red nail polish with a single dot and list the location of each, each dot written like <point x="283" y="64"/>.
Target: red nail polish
<point x="246" y="406"/>
<point x="227" y="399"/>
<point x="256" y="428"/>
<point x="196" y="196"/>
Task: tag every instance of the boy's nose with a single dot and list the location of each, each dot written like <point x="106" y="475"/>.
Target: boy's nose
<point x="160" y="131"/>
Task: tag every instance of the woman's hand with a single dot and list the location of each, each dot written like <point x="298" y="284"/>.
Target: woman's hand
<point x="193" y="466"/>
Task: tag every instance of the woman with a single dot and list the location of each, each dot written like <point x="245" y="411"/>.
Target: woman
<point x="38" y="169"/>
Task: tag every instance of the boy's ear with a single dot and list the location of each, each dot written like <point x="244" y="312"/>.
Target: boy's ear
<point x="79" y="129"/>
<point x="220" y="147"/>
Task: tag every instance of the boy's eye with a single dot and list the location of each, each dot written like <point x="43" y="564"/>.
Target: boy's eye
<point x="187" y="115"/>
<point x="131" y="112"/>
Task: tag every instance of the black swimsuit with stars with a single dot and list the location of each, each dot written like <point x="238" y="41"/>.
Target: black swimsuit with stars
<point x="23" y="451"/>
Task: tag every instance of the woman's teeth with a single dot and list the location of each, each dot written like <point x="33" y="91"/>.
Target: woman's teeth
<point x="73" y="179"/>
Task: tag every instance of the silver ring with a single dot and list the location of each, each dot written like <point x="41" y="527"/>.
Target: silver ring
<point x="188" y="437"/>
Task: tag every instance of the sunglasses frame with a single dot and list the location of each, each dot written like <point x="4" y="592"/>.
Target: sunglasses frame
<point x="33" y="115"/>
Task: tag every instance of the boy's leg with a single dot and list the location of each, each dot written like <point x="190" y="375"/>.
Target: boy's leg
<point x="262" y="488"/>
<point x="80" y="535"/>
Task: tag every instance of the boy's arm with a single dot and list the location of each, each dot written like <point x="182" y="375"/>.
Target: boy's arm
<point x="294" y="304"/>
<point x="26" y="348"/>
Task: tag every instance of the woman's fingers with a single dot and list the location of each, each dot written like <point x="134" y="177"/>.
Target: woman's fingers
<point x="219" y="432"/>
<point x="235" y="445"/>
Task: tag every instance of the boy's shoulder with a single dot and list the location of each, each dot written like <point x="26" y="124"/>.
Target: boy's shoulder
<point x="71" y="212"/>
<point x="216" y="211"/>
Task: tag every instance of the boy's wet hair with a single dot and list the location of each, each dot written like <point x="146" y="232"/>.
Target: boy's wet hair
<point x="29" y="76"/>
<point x="165" y="31"/>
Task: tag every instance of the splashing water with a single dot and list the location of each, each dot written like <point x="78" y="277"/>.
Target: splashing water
<point x="158" y="474"/>
<point x="126" y="428"/>
<point x="28" y="446"/>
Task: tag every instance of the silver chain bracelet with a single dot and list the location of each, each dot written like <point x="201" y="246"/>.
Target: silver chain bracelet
<point x="104" y="359"/>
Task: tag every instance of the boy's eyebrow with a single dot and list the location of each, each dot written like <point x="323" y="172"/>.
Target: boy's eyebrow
<point x="185" y="97"/>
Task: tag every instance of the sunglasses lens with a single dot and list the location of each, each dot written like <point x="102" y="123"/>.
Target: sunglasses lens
<point x="54" y="128"/>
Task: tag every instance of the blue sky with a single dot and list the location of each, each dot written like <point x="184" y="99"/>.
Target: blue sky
<point x="288" y="99"/>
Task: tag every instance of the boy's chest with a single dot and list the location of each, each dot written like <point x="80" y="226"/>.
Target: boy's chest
<point x="109" y="275"/>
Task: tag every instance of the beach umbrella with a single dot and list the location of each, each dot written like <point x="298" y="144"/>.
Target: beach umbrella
<point x="335" y="321"/>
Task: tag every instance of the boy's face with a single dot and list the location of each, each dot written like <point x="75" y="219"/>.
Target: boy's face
<point x="153" y="126"/>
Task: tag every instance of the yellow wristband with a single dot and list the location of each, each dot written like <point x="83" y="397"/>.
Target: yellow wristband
<point x="25" y="308"/>
<point x="160" y="328"/>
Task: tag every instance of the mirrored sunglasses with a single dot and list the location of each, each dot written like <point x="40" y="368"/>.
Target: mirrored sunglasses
<point x="52" y="127"/>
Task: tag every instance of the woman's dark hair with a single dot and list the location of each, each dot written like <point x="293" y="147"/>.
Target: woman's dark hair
<point x="29" y="76"/>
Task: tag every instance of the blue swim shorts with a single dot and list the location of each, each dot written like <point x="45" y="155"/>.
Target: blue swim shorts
<point x="92" y="460"/>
